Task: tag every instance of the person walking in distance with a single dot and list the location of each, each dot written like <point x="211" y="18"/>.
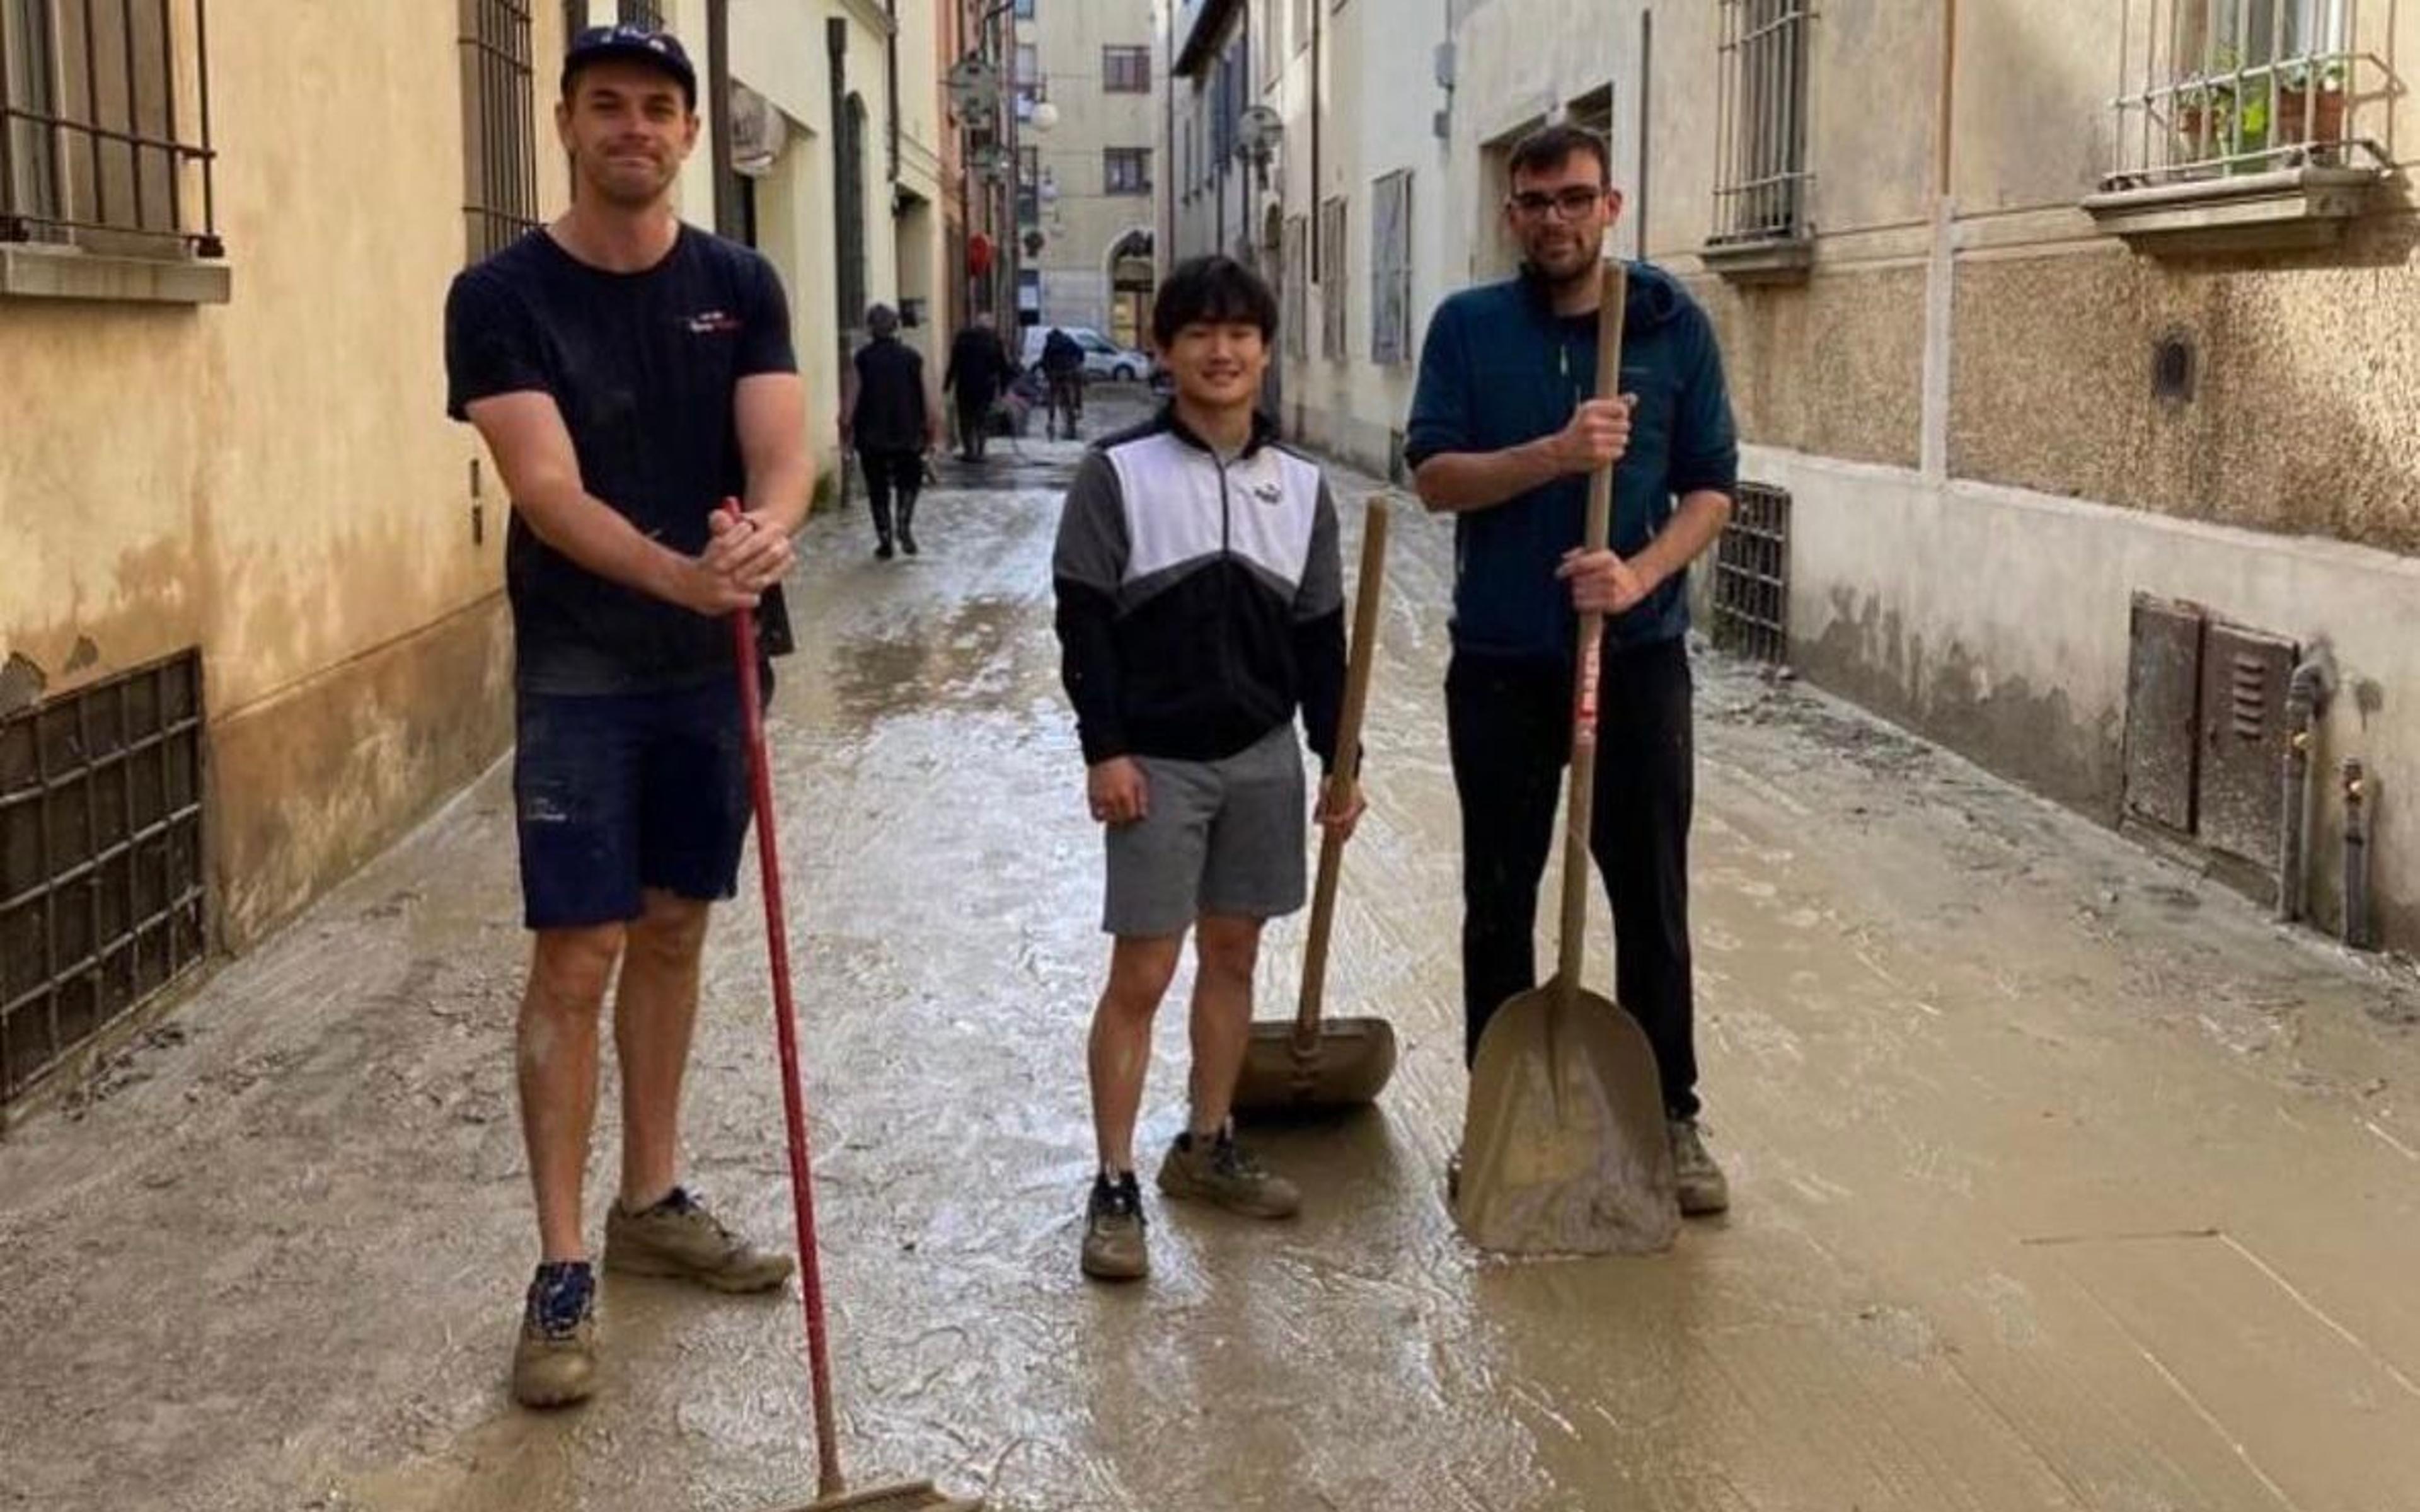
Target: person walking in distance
<point x="1062" y="370"/>
<point x="628" y="373"/>
<point x="978" y="370"/>
<point x="1201" y="604"/>
<point x="1503" y="435"/>
<point x="892" y="423"/>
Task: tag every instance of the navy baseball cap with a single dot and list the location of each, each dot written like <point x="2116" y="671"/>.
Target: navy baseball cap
<point x="657" y="50"/>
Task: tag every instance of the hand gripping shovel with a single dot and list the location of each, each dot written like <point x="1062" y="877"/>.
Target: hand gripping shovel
<point x="832" y="1492"/>
<point x="1312" y="1066"/>
<point x="1564" y="1147"/>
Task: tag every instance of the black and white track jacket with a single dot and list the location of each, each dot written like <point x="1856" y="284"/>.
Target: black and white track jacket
<point x="1200" y="601"/>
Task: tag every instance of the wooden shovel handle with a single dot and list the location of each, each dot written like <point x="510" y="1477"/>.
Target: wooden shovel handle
<point x="1589" y="671"/>
<point x="1347" y="767"/>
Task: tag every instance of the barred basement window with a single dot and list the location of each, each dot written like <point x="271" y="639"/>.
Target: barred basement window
<point x="1752" y="577"/>
<point x="100" y="860"/>
<point x="499" y="125"/>
<point x="105" y="126"/>
<point x="1760" y="144"/>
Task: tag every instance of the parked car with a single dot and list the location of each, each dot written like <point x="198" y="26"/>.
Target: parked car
<point x="1102" y="358"/>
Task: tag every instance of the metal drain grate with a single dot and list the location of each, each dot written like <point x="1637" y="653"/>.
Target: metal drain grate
<point x="1752" y="577"/>
<point x="100" y="860"/>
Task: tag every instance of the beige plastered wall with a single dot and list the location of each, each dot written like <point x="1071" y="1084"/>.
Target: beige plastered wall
<point x="1960" y="400"/>
<point x="274" y="480"/>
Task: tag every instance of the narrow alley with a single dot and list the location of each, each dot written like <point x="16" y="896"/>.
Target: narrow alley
<point x="2062" y="1179"/>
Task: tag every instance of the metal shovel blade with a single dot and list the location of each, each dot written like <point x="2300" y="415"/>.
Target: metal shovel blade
<point x="1564" y="1147"/>
<point x="1346" y="1065"/>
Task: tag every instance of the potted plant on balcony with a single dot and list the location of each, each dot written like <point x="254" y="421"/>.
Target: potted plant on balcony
<point x="2231" y="120"/>
<point x="2311" y="103"/>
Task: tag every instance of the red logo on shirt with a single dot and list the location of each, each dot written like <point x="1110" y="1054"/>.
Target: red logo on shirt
<point x="712" y="323"/>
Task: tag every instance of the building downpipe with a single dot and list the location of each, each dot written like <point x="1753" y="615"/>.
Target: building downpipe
<point x="2358" y="799"/>
<point x="2306" y="699"/>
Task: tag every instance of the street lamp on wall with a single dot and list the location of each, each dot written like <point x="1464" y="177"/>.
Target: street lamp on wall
<point x="984" y="85"/>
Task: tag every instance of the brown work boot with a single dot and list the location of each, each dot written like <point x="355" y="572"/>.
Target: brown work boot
<point x="1113" y="1231"/>
<point x="555" y="1362"/>
<point x="1703" y="1188"/>
<point x="680" y="1238"/>
<point x="1217" y="1171"/>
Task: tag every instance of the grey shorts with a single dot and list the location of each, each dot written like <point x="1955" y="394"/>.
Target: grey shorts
<point x="1222" y="836"/>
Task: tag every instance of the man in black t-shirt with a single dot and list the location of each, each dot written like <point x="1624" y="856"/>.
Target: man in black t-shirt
<point x="890" y="422"/>
<point x="628" y="373"/>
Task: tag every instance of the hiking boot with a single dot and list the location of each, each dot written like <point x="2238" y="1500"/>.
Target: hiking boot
<point x="882" y="548"/>
<point x="1216" y="1171"/>
<point x="906" y="540"/>
<point x="1703" y="1188"/>
<point x="1113" y="1231"/>
<point x="555" y="1362"/>
<point x="680" y="1238"/>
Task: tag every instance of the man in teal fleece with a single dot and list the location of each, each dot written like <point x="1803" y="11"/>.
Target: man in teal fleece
<point x="1504" y="432"/>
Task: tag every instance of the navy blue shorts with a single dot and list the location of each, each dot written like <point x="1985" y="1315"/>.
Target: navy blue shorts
<point x="618" y="792"/>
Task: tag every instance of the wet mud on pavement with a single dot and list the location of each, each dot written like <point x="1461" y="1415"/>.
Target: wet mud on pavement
<point x="2061" y="1178"/>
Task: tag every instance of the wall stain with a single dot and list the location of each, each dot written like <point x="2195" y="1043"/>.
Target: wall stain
<point x="2369" y="697"/>
<point x="20" y="682"/>
<point x="2034" y="737"/>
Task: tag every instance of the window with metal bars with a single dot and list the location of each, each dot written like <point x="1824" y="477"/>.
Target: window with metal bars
<point x="100" y="860"/>
<point x="1752" y="577"/>
<point x="2228" y="87"/>
<point x="645" y="13"/>
<point x="499" y="125"/>
<point x="1760" y="146"/>
<point x="105" y="126"/>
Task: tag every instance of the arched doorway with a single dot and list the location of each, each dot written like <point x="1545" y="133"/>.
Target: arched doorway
<point x="1133" y="278"/>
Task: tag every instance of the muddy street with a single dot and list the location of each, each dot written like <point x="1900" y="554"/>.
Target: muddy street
<point x="2061" y="1178"/>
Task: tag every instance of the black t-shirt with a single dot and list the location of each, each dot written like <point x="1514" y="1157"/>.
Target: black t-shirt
<point x="890" y="413"/>
<point x="645" y="368"/>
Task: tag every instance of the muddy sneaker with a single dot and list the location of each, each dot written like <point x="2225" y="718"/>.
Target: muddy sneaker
<point x="1219" y="1172"/>
<point x="1702" y="1186"/>
<point x="680" y="1238"/>
<point x="554" y="1364"/>
<point x="1113" y="1237"/>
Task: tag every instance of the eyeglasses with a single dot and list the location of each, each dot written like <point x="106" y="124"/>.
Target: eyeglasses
<point x="1574" y="202"/>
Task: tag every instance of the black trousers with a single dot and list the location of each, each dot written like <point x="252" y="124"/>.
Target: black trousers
<point x="974" y="422"/>
<point x="887" y="471"/>
<point x="1508" y="727"/>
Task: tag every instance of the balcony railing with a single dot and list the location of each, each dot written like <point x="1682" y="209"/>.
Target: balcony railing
<point x="2214" y="89"/>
